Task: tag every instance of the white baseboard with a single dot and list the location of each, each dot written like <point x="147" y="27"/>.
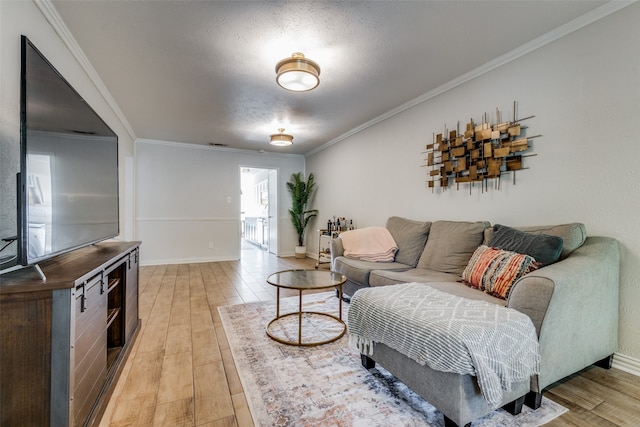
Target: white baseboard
<point x="626" y="363"/>
<point x="184" y="261"/>
<point x="200" y="260"/>
<point x="292" y="254"/>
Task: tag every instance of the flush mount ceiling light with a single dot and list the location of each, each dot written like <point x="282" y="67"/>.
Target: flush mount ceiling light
<point x="281" y="139"/>
<point x="298" y="73"/>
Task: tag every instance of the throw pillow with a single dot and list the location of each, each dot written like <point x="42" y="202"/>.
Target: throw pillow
<point x="544" y="248"/>
<point x="495" y="270"/>
<point x="451" y="244"/>
<point x="573" y="235"/>
<point x="410" y="236"/>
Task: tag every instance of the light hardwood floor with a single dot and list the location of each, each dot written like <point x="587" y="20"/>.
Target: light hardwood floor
<point x="181" y="372"/>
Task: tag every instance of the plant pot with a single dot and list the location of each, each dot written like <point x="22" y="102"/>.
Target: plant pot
<point x="301" y="251"/>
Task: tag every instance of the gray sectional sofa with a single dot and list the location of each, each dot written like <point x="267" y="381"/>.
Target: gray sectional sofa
<point x="573" y="304"/>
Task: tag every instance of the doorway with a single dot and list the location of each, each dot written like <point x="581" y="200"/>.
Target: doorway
<point x="259" y="209"/>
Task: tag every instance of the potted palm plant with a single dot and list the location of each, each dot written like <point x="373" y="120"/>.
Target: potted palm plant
<point x="301" y="192"/>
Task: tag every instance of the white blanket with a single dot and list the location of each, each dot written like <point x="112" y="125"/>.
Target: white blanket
<point x="496" y="344"/>
<point x="369" y="244"/>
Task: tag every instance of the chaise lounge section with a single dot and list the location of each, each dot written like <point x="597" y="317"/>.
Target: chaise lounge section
<point x="572" y="302"/>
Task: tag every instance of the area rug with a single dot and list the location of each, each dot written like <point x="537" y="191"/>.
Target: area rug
<point x="326" y="385"/>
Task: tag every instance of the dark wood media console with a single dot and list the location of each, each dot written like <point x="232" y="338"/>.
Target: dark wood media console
<point x="64" y="342"/>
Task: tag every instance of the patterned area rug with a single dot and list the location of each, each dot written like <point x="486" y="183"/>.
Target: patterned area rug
<point x="326" y="385"/>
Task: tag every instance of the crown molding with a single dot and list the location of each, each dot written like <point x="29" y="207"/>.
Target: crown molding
<point x="55" y="20"/>
<point x="209" y="147"/>
<point x="564" y="30"/>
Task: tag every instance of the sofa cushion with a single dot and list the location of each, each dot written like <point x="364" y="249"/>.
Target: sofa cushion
<point x="358" y="271"/>
<point x="460" y="290"/>
<point x="495" y="270"/>
<point x="573" y="235"/>
<point x="451" y="244"/>
<point x="421" y="275"/>
<point x="446" y="282"/>
<point x="544" y="248"/>
<point x="410" y="236"/>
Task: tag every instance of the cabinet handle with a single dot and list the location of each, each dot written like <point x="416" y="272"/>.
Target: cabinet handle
<point x="83" y="303"/>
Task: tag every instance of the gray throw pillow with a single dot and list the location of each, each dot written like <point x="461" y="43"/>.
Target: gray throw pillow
<point x="573" y="235"/>
<point x="410" y="236"/>
<point x="544" y="248"/>
<point x="451" y="244"/>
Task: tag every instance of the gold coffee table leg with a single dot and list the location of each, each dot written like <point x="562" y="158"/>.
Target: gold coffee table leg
<point x="307" y="280"/>
<point x="340" y="302"/>
<point x="299" y="313"/>
<point x="299" y="342"/>
<point x="300" y="318"/>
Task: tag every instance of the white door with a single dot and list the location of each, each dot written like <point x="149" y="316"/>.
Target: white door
<point x="273" y="211"/>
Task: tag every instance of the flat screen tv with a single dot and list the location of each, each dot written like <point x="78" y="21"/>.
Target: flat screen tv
<point x="68" y="180"/>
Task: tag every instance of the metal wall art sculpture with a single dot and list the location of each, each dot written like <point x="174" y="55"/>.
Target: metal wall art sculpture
<point x="481" y="153"/>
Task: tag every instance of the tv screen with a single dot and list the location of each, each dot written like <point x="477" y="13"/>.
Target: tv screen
<point x="68" y="181"/>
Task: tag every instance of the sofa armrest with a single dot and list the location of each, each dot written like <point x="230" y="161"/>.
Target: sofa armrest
<point x="574" y="307"/>
<point x="335" y="245"/>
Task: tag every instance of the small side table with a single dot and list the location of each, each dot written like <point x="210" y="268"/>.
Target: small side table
<point x="306" y="280"/>
<point x="324" y="247"/>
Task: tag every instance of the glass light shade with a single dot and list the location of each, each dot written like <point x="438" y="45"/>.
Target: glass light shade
<point x="298" y="73"/>
<point x="281" y="139"/>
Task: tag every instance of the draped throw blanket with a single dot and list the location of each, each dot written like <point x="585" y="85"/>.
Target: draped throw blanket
<point x="496" y="344"/>
<point x="369" y="244"/>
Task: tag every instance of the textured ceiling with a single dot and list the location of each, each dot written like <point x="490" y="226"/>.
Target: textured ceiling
<point x="203" y="72"/>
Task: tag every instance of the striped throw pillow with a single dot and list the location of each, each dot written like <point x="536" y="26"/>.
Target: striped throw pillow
<point x="495" y="270"/>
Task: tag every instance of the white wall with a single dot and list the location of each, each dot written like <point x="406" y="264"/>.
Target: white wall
<point x="189" y="195"/>
<point x="25" y="18"/>
<point x="584" y="90"/>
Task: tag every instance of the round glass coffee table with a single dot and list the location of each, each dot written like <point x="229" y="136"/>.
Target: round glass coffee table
<point x="306" y="280"/>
